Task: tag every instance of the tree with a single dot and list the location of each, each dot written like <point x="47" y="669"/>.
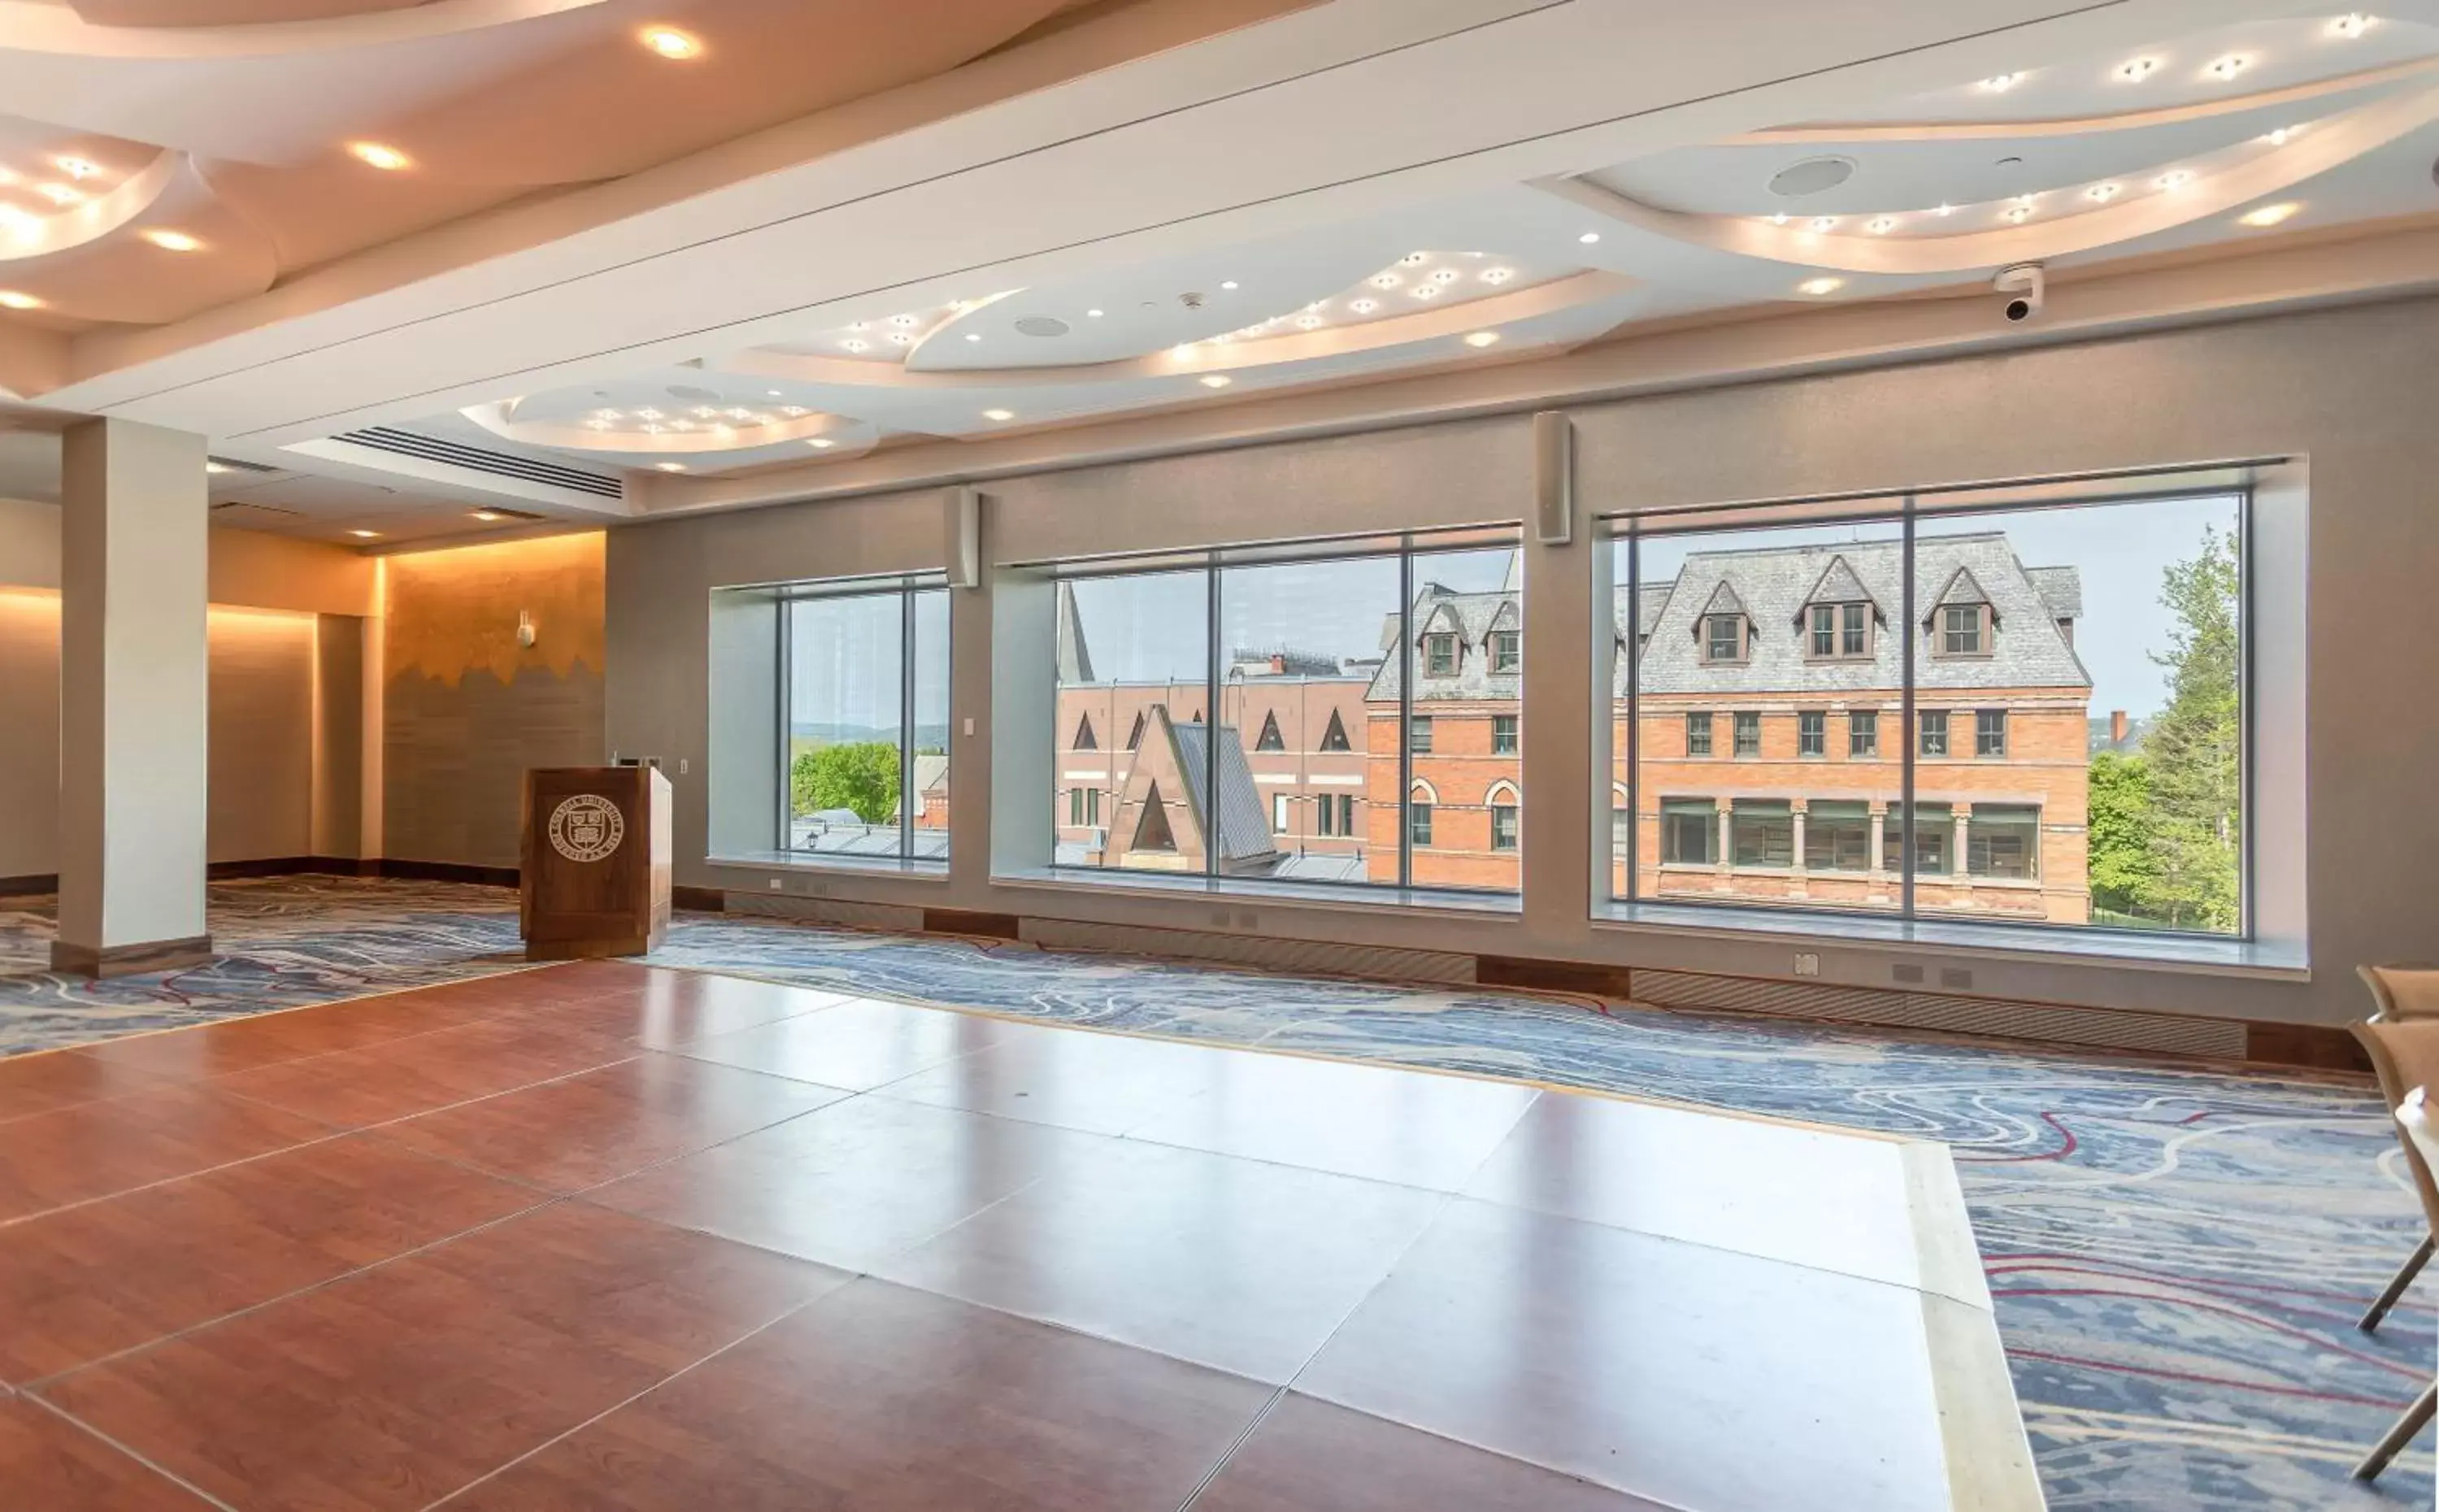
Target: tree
<point x="2125" y="874"/>
<point x="2194" y="749"/>
<point x="862" y="776"/>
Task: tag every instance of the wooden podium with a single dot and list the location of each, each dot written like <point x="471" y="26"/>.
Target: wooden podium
<point x="595" y="862"/>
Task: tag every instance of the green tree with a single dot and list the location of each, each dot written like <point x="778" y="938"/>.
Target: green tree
<point x="2194" y="748"/>
<point x="2125" y="874"/>
<point x="862" y="776"/>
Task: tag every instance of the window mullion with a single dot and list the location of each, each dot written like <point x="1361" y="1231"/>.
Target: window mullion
<point x="1405" y="714"/>
<point x="906" y="653"/>
<point x="1211" y="823"/>
<point x="1909" y="738"/>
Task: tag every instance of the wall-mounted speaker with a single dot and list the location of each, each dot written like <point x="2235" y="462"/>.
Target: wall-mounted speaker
<point x="1554" y="479"/>
<point x="965" y="556"/>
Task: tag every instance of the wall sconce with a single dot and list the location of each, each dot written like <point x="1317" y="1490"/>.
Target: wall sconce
<point x="525" y="626"/>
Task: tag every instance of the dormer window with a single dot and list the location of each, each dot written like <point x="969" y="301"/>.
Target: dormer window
<point x="1440" y="654"/>
<point x="1840" y="632"/>
<point x="1507" y="651"/>
<point x="1724" y="638"/>
<point x="1964" y="630"/>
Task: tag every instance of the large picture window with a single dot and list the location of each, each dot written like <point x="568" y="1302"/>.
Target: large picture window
<point x="866" y="728"/>
<point x="2067" y="676"/>
<point x="1368" y="728"/>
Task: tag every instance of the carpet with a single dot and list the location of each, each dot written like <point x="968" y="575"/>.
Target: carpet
<point x="2177" y="1255"/>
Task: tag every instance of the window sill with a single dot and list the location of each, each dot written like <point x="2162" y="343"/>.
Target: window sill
<point x="924" y="867"/>
<point x="1324" y="895"/>
<point x="2025" y="941"/>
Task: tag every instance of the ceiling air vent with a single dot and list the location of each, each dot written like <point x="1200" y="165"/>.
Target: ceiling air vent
<point x="230" y="464"/>
<point x="475" y="460"/>
<point x="257" y="508"/>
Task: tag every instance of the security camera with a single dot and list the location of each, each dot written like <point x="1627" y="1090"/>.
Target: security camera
<point x="2027" y="284"/>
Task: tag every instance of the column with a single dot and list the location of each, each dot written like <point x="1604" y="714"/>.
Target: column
<point x="1877" y="859"/>
<point x="1962" y="878"/>
<point x="1727" y="835"/>
<point x="133" y="700"/>
<point x="1796" y="806"/>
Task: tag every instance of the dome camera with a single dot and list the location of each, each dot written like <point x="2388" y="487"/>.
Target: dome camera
<point x="2026" y="289"/>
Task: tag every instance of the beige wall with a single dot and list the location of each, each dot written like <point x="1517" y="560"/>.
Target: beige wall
<point x="2346" y="390"/>
<point x="273" y="599"/>
<point x="466" y="709"/>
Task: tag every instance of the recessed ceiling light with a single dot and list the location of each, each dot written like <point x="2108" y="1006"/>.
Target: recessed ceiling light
<point x="379" y="154"/>
<point x="2282" y="134"/>
<point x="76" y="167"/>
<point x="1823" y="223"/>
<point x="821" y="443"/>
<point x="1426" y="290"/>
<point x="772" y="392"/>
<point x="1309" y="322"/>
<point x="1230" y="284"/>
<point x="172" y="240"/>
<point x="2173" y="179"/>
<point x="1444" y="276"/>
<point x="1817" y="287"/>
<point x="900" y="338"/>
<point x="1944" y="209"/>
<point x="489" y="516"/>
<point x="2135" y="70"/>
<point x="2229" y="66"/>
<point x="2019" y="213"/>
<point x="671" y="42"/>
<point x="215" y="468"/>
<point x="1497" y="275"/>
<point x="1482" y="338"/>
<point x="17" y="299"/>
<point x="1386" y="280"/>
<point x="2353" y="24"/>
<point x="1092" y="315"/>
<point x="365" y="535"/>
<point x="60" y="193"/>
<point x="1881" y="226"/>
<point x="1363" y="307"/>
<point x="999" y="415"/>
<point x="973" y="335"/>
<point x="1216" y="381"/>
<point x="903" y="322"/>
<point x="855" y="344"/>
<point x="1589" y="237"/>
<point x="2269" y="214"/>
<point x="670" y="467"/>
<point x="1414" y="260"/>
<point x="2000" y="84"/>
<point x="1778" y="218"/>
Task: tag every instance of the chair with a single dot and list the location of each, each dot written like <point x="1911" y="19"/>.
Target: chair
<point x="2406" y="1055"/>
<point x="2403" y="995"/>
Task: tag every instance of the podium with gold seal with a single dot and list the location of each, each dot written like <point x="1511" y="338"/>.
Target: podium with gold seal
<point x="595" y="862"/>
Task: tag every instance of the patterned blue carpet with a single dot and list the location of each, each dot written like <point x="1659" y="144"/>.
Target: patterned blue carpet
<point x="2177" y="1255"/>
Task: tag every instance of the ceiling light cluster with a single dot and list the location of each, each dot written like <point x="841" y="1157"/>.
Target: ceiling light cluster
<point x="2352" y="25"/>
<point x="2000" y="84"/>
<point x="2135" y="70"/>
<point x="2228" y="67"/>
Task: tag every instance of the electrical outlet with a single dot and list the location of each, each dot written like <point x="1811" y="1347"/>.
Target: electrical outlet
<point x="778" y="883"/>
<point x="682" y="766"/>
<point x="1806" y="964"/>
<point x="1905" y="973"/>
<point x="1955" y="976"/>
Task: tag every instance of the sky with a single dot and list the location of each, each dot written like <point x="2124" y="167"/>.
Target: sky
<point x="843" y="659"/>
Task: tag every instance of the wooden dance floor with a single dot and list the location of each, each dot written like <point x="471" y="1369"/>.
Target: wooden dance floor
<point x="603" y="1236"/>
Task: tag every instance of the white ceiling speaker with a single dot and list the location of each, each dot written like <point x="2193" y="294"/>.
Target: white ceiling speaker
<point x="1041" y="325"/>
<point x="964" y="510"/>
<point x="1811" y="176"/>
<point x="1553" y="477"/>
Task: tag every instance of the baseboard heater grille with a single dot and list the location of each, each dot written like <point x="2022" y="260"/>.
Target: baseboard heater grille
<point x="478" y="459"/>
<point x="2102" y="1028"/>
<point x="1325" y="957"/>
<point x="893" y="917"/>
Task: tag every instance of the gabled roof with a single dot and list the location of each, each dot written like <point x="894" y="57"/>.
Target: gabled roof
<point x="1075" y="657"/>
<point x="2061" y="588"/>
<point x="1467" y="615"/>
<point x="1244" y="830"/>
<point x="1838" y="585"/>
<point x="1963" y="589"/>
<point x="1725" y="600"/>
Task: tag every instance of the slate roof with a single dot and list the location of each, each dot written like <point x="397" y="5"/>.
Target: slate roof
<point x="1472" y="616"/>
<point x="1776" y="584"/>
<point x="1245" y="830"/>
<point x="1075" y="657"/>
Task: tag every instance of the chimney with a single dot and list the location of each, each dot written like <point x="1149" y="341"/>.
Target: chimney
<point x="1279" y="660"/>
<point x="2116" y="726"/>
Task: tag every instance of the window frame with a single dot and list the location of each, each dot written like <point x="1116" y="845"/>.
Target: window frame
<point x="1507" y="651"/>
<point x="1863" y="735"/>
<point x="1505" y="827"/>
<point x="1812" y="735"/>
<point x="1506" y="734"/>
<point x="1988" y="724"/>
<point x="1710" y="734"/>
<point x="1740" y="722"/>
<point x="1923" y="726"/>
<point x="907" y="588"/>
<point x="1741" y="636"/>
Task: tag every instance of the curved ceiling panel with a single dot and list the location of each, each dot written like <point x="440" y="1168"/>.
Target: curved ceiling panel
<point x="182" y="251"/>
<point x="225" y="12"/>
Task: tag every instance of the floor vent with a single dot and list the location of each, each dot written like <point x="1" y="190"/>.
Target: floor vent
<point x="1324" y="956"/>
<point x="829" y="911"/>
<point x="476" y="459"/>
<point x="2159" y="1033"/>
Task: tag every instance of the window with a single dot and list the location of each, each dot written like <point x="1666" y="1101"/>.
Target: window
<point x="1503" y="826"/>
<point x="1863" y="733"/>
<point x="1990" y="733"/>
<point x="1084" y="739"/>
<point x="1932" y="827"/>
<point x="1811" y="733"/>
<point x="1698" y="735"/>
<point x="1507" y="651"/>
<point x="1688" y="828"/>
<point x="1837" y="836"/>
<point x="1838" y="632"/>
<point x="1748" y="733"/>
<point x="1763" y="833"/>
<point x="2004" y="841"/>
<point x="1279" y="745"/>
<point x="1825" y="630"/>
<point x="1961" y="629"/>
<point x="1724" y="638"/>
<point x="1855" y="629"/>
<point x="1934" y="732"/>
<point x="866" y="682"/>
<point x="1076" y="806"/>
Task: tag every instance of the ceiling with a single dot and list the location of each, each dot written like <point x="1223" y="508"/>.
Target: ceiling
<point x="593" y="259"/>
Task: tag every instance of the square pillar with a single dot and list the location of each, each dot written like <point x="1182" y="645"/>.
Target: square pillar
<point x="134" y="677"/>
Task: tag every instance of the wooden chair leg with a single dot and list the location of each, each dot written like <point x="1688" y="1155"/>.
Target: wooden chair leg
<point x="2400" y="1434"/>
<point x="2404" y="1277"/>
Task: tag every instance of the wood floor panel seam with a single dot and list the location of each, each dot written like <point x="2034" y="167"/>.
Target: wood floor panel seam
<point x="182" y="1176"/>
<point x="44" y="1404"/>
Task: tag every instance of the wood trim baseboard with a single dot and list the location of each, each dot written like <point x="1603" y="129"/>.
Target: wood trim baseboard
<point x="966" y="921"/>
<point x="105" y="961"/>
<point x="445" y="871"/>
<point x="699" y="899"/>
